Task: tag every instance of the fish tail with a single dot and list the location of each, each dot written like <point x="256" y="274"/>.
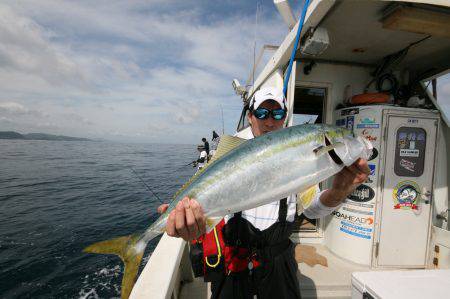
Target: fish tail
<point x="130" y="250"/>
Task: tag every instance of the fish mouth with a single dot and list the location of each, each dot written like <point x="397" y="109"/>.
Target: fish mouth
<point x="352" y="147"/>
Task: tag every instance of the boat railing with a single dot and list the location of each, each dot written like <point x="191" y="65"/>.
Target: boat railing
<point x="167" y="267"/>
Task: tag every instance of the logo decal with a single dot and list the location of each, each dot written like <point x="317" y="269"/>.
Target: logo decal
<point x="374" y="154"/>
<point x="405" y="195"/>
<point x="362" y="193"/>
<point x="351" y="111"/>
<point x="408" y="165"/>
<point x="368" y="134"/>
<point x="372" y="169"/>
<point x="368" y="123"/>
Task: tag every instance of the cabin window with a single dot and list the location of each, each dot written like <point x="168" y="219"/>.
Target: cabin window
<point x="308" y="105"/>
<point x="410" y="152"/>
<point x="440" y="90"/>
<point x="443" y="94"/>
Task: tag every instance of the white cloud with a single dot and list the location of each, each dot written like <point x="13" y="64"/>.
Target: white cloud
<point x="113" y="67"/>
<point x="12" y="107"/>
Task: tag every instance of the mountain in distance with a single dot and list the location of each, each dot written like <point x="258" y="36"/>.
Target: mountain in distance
<point x="38" y="136"/>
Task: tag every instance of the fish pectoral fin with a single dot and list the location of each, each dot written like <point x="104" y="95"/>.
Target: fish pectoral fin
<point x="325" y="149"/>
<point x="227" y="143"/>
<point x="211" y="222"/>
<point x="124" y="248"/>
<point x="305" y="198"/>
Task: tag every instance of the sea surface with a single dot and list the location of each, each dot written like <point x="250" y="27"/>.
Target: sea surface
<point x="57" y="197"/>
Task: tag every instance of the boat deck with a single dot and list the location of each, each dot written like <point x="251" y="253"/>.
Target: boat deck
<point x="330" y="281"/>
<point x="321" y="275"/>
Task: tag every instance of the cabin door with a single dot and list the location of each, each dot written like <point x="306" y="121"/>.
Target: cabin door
<point x="404" y="222"/>
<point x="309" y="106"/>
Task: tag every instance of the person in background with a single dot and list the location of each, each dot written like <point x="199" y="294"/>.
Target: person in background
<point x="264" y="231"/>
<point x="206" y="145"/>
<point x="215" y="135"/>
<point x="214" y="143"/>
<point x="202" y="159"/>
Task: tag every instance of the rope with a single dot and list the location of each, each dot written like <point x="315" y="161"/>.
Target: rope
<point x="297" y="39"/>
<point x="219" y="252"/>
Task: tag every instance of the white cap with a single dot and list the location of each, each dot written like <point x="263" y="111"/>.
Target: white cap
<point x="267" y="93"/>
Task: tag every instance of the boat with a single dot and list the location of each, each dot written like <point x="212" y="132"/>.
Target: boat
<point x="351" y="55"/>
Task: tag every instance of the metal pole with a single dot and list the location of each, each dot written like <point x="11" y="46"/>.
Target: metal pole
<point x="223" y="124"/>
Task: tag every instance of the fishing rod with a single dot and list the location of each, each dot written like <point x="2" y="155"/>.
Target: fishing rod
<point x="145" y="184"/>
<point x="186" y="165"/>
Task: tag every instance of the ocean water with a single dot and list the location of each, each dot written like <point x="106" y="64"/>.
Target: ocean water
<point x="58" y="197"/>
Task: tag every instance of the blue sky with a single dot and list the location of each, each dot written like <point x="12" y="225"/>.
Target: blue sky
<point x="144" y="71"/>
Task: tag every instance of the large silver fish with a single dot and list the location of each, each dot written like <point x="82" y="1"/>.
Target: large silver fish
<point x="247" y="174"/>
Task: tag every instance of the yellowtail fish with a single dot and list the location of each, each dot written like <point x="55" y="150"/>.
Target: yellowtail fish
<point x="248" y="173"/>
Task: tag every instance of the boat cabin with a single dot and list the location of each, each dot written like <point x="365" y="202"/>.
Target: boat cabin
<point x="382" y="70"/>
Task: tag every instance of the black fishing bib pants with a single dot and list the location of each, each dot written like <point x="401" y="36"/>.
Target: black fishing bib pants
<point x="276" y="277"/>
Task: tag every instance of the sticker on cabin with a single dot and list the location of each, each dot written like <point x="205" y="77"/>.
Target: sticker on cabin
<point x="359" y="220"/>
<point x="409" y="159"/>
<point x="372" y="169"/>
<point x="362" y="193"/>
<point x="369" y="123"/>
<point x="369" y="135"/>
<point x="356" y="230"/>
<point x="409" y="153"/>
<point x="358" y="204"/>
<point x="408" y="165"/>
<point x="350" y="122"/>
<point x="362" y="212"/>
<point x="406" y="194"/>
<point x="351" y="111"/>
<point x="374" y="154"/>
<point x="340" y="122"/>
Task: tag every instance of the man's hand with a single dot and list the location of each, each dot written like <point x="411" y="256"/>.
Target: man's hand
<point x="345" y="182"/>
<point x="186" y="220"/>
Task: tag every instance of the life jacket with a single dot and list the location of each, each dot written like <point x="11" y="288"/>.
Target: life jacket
<point x="207" y="254"/>
<point x="233" y="247"/>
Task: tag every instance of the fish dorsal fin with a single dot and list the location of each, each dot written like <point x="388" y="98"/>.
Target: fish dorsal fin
<point x="226" y="144"/>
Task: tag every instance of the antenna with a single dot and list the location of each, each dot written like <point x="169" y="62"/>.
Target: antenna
<point x="258" y="6"/>
<point x="223" y="125"/>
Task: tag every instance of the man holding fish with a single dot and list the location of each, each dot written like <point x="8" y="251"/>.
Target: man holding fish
<point x="269" y="268"/>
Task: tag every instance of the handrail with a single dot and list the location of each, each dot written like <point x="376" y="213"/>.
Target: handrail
<point x="160" y="277"/>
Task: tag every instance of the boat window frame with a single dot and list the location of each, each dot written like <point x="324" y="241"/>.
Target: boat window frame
<point x="327" y="118"/>
<point x="243" y="120"/>
<point x="424" y="83"/>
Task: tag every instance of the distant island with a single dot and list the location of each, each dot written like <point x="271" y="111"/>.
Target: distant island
<point x="38" y="136"/>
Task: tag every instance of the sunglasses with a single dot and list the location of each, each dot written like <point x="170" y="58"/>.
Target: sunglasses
<point x="263" y="113"/>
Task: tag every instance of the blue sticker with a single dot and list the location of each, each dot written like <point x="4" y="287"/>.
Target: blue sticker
<point x="368" y="123"/>
<point x="350" y="225"/>
<point x="355" y="230"/>
<point x="372" y="169"/>
<point x="367" y="126"/>
<point x="350" y="122"/>
<point x="354" y="233"/>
